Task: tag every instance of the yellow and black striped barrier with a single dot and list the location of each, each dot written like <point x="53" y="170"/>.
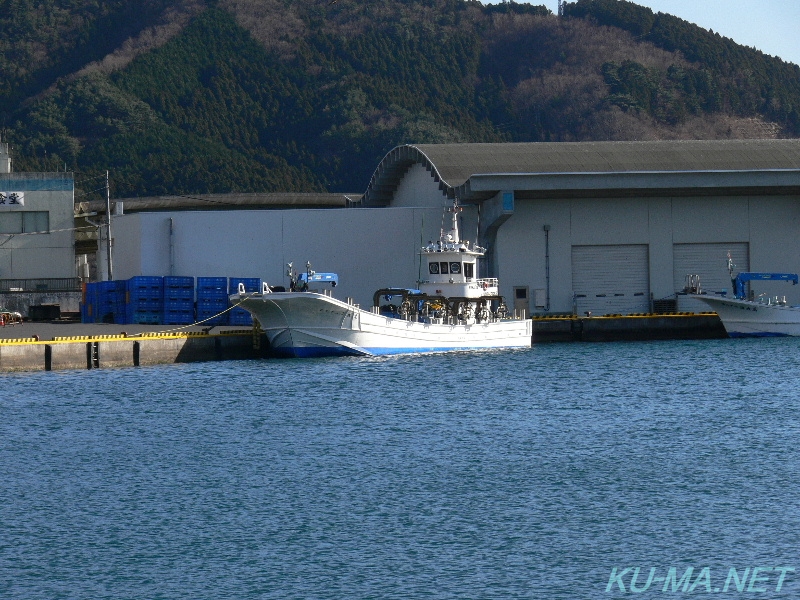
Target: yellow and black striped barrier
<point x="131" y="350"/>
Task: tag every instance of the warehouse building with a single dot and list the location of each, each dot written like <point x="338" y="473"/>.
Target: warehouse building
<point x="36" y="223"/>
<point x="600" y="227"/>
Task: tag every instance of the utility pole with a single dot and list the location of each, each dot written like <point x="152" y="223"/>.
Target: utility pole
<point x="108" y="230"/>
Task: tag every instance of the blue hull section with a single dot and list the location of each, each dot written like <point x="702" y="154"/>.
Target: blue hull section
<point x="392" y="351"/>
<point x="737" y="334"/>
<point x="314" y="352"/>
<point x="323" y="351"/>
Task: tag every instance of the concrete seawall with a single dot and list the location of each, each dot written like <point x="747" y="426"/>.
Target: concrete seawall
<point x="108" y="351"/>
<point x="145" y="345"/>
<point x="680" y="326"/>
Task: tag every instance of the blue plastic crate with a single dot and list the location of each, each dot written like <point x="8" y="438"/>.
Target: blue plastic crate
<point x="206" y="284"/>
<point x="106" y="295"/>
<point x="105" y="302"/>
<point x="213" y="300"/>
<point x="251" y="284"/>
<point x="178" y="294"/>
<point x="144" y="304"/>
<point x="211" y="307"/>
<point x="146" y="282"/>
<point x="178" y="288"/>
<point x="135" y="296"/>
<point x="178" y="304"/>
<point x="212" y="296"/>
<point x="178" y="282"/>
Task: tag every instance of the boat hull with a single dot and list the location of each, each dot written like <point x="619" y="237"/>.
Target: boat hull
<point x="743" y="318"/>
<point x="302" y="324"/>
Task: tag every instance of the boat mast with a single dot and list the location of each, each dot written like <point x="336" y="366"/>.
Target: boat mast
<point x="452" y="236"/>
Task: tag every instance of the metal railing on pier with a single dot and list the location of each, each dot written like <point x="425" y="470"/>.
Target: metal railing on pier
<point x="64" y="284"/>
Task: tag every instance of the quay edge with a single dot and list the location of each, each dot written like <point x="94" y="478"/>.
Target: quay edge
<point x="611" y="328"/>
<point x="109" y="351"/>
<point x="152" y="348"/>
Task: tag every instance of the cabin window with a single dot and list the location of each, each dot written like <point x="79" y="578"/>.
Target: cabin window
<point x="469" y="270"/>
<point x="455" y="268"/>
<point x="433" y="268"/>
<point x="444" y="270"/>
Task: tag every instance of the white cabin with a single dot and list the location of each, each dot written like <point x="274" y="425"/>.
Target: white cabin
<point x="450" y="267"/>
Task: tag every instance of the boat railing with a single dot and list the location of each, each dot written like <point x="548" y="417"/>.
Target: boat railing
<point x="448" y="319"/>
<point x="487" y="281"/>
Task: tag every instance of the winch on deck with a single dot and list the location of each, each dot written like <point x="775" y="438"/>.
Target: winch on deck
<point x="413" y="305"/>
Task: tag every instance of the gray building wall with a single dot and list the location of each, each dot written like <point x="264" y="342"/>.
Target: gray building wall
<point x="372" y="248"/>
<point x="768" y="225"/>
<point x="36" y="255"/>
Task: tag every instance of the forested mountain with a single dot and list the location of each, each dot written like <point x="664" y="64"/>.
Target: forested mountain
<point x="203" y="96"/>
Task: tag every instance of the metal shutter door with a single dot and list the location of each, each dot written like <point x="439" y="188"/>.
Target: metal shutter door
<point x="611" y="279"/>
<point x="710" y="262"/>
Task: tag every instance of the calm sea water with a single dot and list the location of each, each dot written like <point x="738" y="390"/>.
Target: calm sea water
<point x="542" y="473"/>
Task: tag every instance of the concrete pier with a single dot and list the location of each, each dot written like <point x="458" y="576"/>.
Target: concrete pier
<point x="39" y="352"/>
<point x="678" y="326"/>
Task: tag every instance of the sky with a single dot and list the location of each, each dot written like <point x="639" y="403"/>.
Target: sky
<point x="772" y="26"/>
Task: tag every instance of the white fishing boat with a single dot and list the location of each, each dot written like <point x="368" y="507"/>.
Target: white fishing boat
<point x="450" y="309"/>
<point x="758" y="317"/>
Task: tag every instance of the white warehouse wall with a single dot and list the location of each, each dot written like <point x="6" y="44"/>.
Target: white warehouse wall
<point x="369" y="248"/>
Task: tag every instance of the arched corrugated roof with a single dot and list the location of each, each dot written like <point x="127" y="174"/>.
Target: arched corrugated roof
<point x="452" y="165"/>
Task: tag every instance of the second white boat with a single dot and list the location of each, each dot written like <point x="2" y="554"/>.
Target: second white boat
<point x="765" y="317"/>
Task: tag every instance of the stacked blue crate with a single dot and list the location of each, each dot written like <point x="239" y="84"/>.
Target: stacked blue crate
<point x="121" y="310"/>
<point x="105" y="301"/>
<point x="212" y="299"/>
<point x="178" y="307"/>
<point x="239" y="316"/>
<point x="144" y="300"/>
<point x="89" y="305"/>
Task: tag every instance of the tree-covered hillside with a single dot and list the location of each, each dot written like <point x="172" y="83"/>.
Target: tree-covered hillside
<point x="198" y="96"/>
